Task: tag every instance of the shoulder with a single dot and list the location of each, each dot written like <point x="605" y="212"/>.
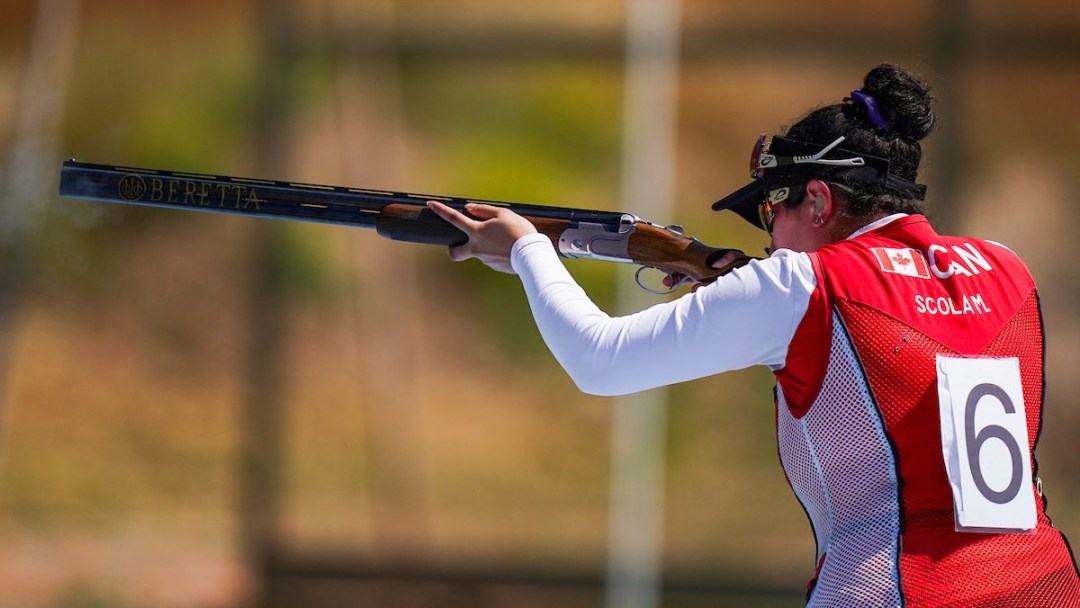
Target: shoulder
<point x="783" y="268"/>
<point x="782" y="280"/>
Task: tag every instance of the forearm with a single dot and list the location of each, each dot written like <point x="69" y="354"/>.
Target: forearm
<point x="700" y="334"/>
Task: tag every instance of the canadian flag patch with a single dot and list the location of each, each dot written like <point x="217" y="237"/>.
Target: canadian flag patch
<point x="908" y="262"/>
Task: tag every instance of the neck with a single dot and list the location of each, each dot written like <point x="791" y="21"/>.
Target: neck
<point x="845" y="226"/>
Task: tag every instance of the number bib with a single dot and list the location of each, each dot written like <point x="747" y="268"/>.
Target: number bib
<point x="984" y="440"/>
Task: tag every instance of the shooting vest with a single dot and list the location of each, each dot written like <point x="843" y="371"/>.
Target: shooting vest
<point x="907" y="415"/>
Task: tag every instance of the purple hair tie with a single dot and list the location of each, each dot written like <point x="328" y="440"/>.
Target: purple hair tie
<point x="871" y="109"/>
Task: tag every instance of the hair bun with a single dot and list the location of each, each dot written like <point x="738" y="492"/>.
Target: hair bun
<point x="903" y="100"/>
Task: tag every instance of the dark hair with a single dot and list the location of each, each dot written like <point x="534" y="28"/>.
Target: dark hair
<point x="904" y="102"/>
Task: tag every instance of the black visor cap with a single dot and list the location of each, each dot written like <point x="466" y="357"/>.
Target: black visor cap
<point x="875" y="170"/>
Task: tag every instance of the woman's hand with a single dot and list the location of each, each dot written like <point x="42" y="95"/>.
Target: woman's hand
<point x="491" y="235"/>
<point x="675" y="280"/>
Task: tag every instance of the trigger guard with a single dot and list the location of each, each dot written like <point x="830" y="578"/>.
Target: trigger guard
<point x="637" y="279"/>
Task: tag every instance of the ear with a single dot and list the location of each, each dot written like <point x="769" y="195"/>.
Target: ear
<point x="822" y="205"/>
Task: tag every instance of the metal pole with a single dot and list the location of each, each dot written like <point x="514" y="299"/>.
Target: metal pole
<point x="371" y="140"/>
<point x="639" y="421"/>
<point x="263" y="414"/>
<point x="951" y="39"/>
<point x="28" y="180"/>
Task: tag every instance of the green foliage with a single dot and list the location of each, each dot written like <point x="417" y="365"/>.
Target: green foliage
<point x="302" y="257"/>
<point x="183" y="105"/>
<point x="540" y="134"/>
<point x="534" y="132"/>
<point x="85" y="597"/>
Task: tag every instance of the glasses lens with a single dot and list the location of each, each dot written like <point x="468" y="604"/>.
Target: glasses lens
<point x="755" y="157"/>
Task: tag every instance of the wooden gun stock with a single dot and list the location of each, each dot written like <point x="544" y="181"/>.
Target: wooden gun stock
<point x="648" y="244"/>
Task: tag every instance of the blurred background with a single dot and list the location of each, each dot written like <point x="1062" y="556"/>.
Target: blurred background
<point x="207" y="410"/>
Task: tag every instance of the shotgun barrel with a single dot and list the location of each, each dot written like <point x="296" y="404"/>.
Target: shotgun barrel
<point x="402" y="216"/>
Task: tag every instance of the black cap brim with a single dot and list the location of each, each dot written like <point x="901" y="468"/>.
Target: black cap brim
<point x="744" y="202"/>
<point x="872" y="170"/>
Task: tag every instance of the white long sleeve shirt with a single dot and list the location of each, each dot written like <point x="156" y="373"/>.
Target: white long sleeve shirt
<point x="747" y="317"/>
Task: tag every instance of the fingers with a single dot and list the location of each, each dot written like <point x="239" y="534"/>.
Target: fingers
<point x="491" y="230"/>
<point x="458" y="219"/>
<point x="459" y="253"/>
<point x="675" y="279"/>
<point x="730" y="256"/>
<point x="462" y="222"/>
<point x="483" y="212"/>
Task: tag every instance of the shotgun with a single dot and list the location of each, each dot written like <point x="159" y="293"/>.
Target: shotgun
<point x="575" y="233"/>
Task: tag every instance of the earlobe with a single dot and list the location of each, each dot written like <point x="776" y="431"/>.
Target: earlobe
<point x="822" y="198"/>
<point x="819" y="209"/>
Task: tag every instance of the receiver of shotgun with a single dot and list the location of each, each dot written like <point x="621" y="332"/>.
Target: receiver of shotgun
<point x="575" y="233"/>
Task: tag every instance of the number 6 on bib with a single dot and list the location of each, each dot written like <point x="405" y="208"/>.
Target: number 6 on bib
<point x="984" y="439"/>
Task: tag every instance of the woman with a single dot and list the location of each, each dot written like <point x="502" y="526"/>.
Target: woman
<point x="908" y="364"/>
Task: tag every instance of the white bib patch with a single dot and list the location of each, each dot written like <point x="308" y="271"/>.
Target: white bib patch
<point x="984" y="439"/>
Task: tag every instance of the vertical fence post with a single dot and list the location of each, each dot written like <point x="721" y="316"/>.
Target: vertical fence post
<point x="28" y="179"/>
<point x="639" y="421"/>
<point x="950" y="39"/>
<point x="262" y="443"/>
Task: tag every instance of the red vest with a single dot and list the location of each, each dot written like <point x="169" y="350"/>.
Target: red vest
<point x="859" y="422"/>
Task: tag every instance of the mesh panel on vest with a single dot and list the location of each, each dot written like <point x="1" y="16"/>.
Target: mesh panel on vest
<point x="939" y="566"/>
<point x="850" y="494"/>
